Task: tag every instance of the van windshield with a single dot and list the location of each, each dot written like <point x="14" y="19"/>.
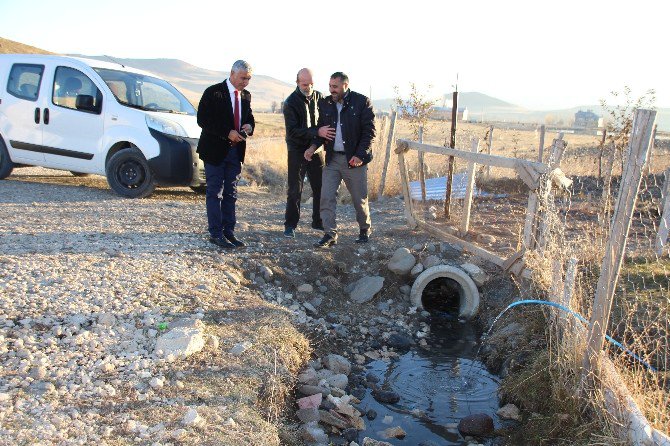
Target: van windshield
<point x="145" y="92"/>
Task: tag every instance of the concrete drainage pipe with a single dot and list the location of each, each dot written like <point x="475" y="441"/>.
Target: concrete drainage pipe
<point x="469" y="296"/>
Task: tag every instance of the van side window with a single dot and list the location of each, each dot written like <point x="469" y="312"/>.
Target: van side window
<point x="74" y="90"/>
<point x="24" y="81"/>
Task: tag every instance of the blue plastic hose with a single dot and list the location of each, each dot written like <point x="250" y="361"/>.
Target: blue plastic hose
<point x="582" y="320"/>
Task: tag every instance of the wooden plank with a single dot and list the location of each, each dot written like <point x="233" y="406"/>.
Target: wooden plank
<point x="469" y="190"/>
<point x="540" y="152"/>
<point x="664" y="224"/>
<point x="640" y="141"/>
<point x="479" y="158"/>
<point x="404" y="181"/>
<point x="470" y="247"/>
<point x="389" y="144"/>
<point x="528" y="175"/>
<point x="422" y="168"/>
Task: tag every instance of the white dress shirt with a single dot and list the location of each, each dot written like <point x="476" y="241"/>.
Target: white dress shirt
<point x="231" y="89"/>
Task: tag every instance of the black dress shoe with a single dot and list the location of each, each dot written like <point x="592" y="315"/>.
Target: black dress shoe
<point x="221" y="242"/>
<point x="317" y="226"/>
<point x="363" y="237"/>
<point x="235" y="242"/>
<point x="326" y="241"/>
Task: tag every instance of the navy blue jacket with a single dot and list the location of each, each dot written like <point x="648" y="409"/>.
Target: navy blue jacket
<point x="357" y="122"/>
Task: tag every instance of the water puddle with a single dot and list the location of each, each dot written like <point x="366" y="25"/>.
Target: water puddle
<point x="437" y="388"/>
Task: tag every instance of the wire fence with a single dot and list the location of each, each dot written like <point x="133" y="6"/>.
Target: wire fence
<point x="557" y="230"/>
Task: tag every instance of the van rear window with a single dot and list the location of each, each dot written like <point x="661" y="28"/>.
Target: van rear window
<point x="24" y="81"/>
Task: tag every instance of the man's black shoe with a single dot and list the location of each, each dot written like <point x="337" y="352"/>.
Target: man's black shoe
<point x="235" y="242"/>
<point x="363" y="238"/>
<point x="221" y="242"/>
<point x="289" y="233"/>
<point x="326" y="241"/>
<point x="317" y="226"/>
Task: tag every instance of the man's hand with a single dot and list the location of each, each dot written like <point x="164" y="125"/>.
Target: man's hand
<point x="309" y="153"/>
<point x="326" y="132"/>
<point x="235" y="137"/>
<point x="355" y="161"/>
<point x="247" y="128"/>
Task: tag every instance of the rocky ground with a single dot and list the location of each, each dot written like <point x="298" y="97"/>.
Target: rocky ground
<point x="120" y="323"/>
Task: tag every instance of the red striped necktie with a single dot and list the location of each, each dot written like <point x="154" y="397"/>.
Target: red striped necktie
<point x="236" y="114"/>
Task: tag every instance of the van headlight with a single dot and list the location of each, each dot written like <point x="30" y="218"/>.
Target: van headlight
<point x="165" y="126"/>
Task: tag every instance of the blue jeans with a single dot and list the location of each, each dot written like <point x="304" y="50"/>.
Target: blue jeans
<point x="221" y="194"/>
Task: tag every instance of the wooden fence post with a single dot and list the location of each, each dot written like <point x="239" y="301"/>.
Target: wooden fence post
<point x="638" y="148"/>
<point x="422" y="168"/>
<point x="489" y="144"/>
<point x="602" y="152"/>
<point x="469" y="191"/>
<point x="607" y="184"/>
<point x="404" y="181"/>
<point x="540" y="153"/>
<point x="389" y="143"/>
<point x="450" y="168"/>
<point x="664" y="224"/>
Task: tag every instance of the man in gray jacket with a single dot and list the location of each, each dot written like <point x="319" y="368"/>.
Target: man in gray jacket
<point x="350" y="117"/>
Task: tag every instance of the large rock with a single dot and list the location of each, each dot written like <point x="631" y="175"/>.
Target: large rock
<point x="340" y="381"/>
<point x="402" y="262"/>
<point x="478" y="276"/>
<point x="393" y="432"/>
<point x="399" y="341"/>
<point x="366" y="288"/>
<point x="386" y="396"/>
<point x="509" y="412"/>
<point x="181" y="341"/>
<point x="476" y="425"/>
<point x="312" y="433"/>
<point x="431" y="261"/>
<point x="337" y="363"/>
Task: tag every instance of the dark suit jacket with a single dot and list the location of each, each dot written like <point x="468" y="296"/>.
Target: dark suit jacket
<point x="215" y="117"/>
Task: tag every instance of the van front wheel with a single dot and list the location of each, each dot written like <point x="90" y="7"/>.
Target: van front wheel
<point x="128" y="174"/>
<point x="6" y="165"/>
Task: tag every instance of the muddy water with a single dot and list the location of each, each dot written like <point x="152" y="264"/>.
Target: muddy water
<point x="437" y="388"/>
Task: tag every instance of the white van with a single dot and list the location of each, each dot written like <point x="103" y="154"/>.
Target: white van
<point x="93" y="117"/>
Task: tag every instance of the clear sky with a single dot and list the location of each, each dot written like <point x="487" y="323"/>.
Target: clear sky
<point x="537" y="54"/>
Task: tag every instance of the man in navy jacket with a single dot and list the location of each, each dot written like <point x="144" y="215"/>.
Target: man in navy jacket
<point x="226" y="119"/>
<point x="348" y="151"/>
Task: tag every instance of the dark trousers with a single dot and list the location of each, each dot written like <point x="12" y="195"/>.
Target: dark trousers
<point x="298" y="167"/>
<point x="221" y="194"/>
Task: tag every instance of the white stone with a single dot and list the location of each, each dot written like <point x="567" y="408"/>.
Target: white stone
<point x="478" y="276"/>
<point x="401" y="262"/>
<point x="181" y="342"/>
<point x="157" y="383"/>
<point x="192" y="418"/>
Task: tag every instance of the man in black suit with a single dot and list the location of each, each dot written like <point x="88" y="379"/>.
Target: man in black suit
<point x="225" y="116"/>
<point x="300" y="116"/>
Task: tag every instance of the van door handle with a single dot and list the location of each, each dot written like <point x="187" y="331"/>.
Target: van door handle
<point x="46" y="116"/>
<point x="37" y="115"/>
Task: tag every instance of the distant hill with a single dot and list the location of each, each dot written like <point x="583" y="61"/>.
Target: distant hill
<point x="10" y="47"/>
<point x="484" y="108"/>
<point x="192" y="80"/>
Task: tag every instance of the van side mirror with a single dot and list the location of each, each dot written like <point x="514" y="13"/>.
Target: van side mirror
<point x="85" y="102"/>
